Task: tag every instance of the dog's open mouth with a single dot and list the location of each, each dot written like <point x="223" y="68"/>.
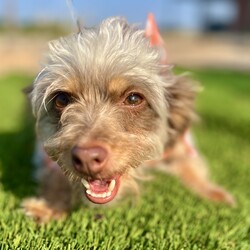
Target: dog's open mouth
<point x="101" y="191"/>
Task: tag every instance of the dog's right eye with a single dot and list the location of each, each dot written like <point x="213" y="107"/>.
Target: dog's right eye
<point x="61" y="100"/>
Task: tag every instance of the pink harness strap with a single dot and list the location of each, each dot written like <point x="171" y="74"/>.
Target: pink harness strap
<point x="188" y="142"/>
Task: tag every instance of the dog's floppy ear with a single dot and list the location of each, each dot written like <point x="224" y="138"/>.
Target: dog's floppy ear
<point x="180" y="97"/>
<point x="182" y="91"/>
<point x="28" y="90"/>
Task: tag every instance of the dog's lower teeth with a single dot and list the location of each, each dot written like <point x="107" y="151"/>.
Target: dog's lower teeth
<point x="101" y="195"/>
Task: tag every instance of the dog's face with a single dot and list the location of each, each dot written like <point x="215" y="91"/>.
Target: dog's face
<point x="101" y="107"/>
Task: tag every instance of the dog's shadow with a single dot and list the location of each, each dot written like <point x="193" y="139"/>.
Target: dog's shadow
<point x="16" y="151"/>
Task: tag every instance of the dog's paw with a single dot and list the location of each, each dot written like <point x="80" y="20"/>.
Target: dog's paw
<point x="218" y="194"/>
<point x="40" y="211"/>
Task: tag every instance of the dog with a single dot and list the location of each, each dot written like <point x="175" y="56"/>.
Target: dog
<point x="107" y="106"/>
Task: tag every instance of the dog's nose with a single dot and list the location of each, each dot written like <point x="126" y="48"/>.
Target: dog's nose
<point x="89" y="160"/>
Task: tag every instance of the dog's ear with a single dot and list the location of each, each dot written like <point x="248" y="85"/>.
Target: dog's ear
<point x="180" y="94"/>
<point x="180" y="97"/>
<point x="28" y="90"/>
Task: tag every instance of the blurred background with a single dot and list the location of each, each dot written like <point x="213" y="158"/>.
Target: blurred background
<point x="210" y="38"/>
<point x="198" y="33"/>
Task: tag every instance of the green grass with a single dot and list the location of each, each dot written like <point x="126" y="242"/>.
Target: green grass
<point x="167" y="216"/>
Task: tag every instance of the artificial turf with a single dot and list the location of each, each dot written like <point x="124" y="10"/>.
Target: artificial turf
<point x="167" y="216"/>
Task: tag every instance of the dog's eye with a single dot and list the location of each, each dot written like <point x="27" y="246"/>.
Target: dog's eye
<point x="133" y="99"/>
<point x="61" y="100"/>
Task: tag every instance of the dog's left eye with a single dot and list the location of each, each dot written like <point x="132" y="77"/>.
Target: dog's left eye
<point x="61" y="100"/>
<point x="133" y="99"/>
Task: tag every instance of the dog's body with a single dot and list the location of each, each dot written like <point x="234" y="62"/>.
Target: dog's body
<point x="106" y="106"/>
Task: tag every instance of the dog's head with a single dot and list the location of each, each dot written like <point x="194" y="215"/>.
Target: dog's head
<point x="104" y="105"/>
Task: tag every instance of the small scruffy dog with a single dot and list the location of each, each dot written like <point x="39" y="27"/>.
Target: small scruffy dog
<point x="107" y="106"/>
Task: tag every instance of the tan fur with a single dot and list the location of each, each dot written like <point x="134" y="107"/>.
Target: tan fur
<point x="41" y="211"/>
<point x="192" y="171"/>
<point x="118" y="85"/>
<point x="99" y="68"/>
<point x="181" y="97"/>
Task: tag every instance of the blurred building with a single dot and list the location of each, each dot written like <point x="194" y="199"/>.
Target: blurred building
<point x="206" y="15"/>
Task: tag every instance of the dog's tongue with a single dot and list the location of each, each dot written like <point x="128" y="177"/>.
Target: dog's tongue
<point x="99" y="186"/>
<point x="101" y="191"/>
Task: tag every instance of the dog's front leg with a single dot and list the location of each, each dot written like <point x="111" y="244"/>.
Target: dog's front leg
<point x="54" y="200"/>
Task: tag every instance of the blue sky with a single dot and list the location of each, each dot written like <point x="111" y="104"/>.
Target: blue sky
<point x="91" y="11"/>
<point x="183" y="14"/>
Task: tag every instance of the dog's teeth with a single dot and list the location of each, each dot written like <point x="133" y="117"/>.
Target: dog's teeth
<point x="98" y="195"/>
<point x="85" y="183"/>
<point x="101" y="195"/>
<point x="112" y="185"/>
<point x="88" y="192"/>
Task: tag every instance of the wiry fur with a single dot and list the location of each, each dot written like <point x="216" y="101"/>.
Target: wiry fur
<point x="98" y="67"/>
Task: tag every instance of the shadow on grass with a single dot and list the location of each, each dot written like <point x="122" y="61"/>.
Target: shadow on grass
<point x="16" y="151"/>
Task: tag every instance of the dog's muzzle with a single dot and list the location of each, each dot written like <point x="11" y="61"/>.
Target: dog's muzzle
<point x="90" y="162"/>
